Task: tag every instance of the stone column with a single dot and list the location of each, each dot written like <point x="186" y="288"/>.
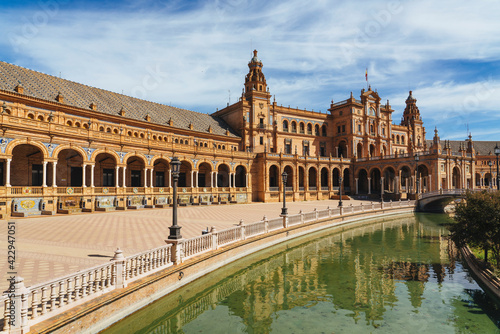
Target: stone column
<point x="84" y="168"/>
<point x="429" y="183"/>
<point x="397" y="185"/>
<point x="92" y="167"/>
<point x="216" y="181"/>
<point x="170" y="178"/>
<point x="369" y="185"/>
<point x="124" y="176"/>
<point x="44" y="176"/>
<point x="192" y="178"/>
<point x="211" y="179"/>
<point x="54" y="171"/>
<point x="357" y="188"/>
<point x="7" y="174"/>
<point x="117" y="183"/>
<point x="145" y="177"/>
<point x="197" y="172"/>
<point x="381" y="186"/>
<point x="246" y="180"/>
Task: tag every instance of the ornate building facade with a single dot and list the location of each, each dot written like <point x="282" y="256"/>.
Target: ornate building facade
<point x="67" y="147"/>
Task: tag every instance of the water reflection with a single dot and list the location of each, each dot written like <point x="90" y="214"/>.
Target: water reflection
<point x="387" y="277"/>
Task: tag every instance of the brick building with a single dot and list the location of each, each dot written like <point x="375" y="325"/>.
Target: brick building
<point x="68" y="147"/>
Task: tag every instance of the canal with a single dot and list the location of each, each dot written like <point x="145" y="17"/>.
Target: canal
<point x="391" y="276"/>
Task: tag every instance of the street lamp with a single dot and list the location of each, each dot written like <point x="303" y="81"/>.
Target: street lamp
<point x="417" y="158"/>
<point x="490" y="163"/>
<point x="175" y="230"/>
<point x="340" y="190"/>
<point x="497" y="153"/>
<point x="284" y="210"/>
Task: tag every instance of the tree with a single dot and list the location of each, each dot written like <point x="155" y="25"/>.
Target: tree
<point x="478" y="222"/>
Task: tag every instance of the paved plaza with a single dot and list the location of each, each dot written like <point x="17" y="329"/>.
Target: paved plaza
<point x="48" y="247"/>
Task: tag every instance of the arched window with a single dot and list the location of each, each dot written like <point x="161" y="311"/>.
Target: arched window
<point x="316" y="130"/>
<point x="294" y="127"/>
<point x="309" y="129"/>
<point x="301" y="126"/>
<point x="402" y="139"/>
<point x="285" y="125"/>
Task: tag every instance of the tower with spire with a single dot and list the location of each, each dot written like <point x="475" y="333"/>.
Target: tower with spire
<point x="412" y="120"/>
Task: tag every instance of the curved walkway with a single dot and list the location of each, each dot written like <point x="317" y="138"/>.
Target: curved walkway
<point x="51" y="247"/>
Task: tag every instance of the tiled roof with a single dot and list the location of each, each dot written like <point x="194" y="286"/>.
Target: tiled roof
<point x="481" y="147"/>
<point x="47" y="87"/>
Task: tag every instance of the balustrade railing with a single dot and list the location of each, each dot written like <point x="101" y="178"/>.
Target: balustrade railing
<point x="43" y="301"/>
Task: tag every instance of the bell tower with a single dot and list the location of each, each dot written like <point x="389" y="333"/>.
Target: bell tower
<point x="412" y="120"/>
<point x="259" y="126"/>
<point x="255" y="81"/>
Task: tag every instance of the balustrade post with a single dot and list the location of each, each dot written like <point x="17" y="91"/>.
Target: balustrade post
<point x="177" y="250"/>
<point x="390" y="203"/>
<point x="352" y="208"/>
<point x="362" y="208"/>
<point x="18" y="306"/>
<point x="301" y="217"/>
<point x="118" y="269"/>
<point x="382" y="204"/>
<point x="214" y="238"/>
<point x="242" y="230"/>
<point x="373" y="206"/>
<point x="315" y="214"/>
<point x="329" y="211"/>
<point x="266" y="224"/>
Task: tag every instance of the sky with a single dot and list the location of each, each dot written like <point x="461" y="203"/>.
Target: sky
<point x="194" y="54"/>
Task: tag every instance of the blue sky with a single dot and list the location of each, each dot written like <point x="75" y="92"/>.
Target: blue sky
<point x="194" y="54"/>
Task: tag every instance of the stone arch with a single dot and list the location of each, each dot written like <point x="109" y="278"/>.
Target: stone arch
<point x="455" y="180"/>
<point x="405" y="173"/>
<point x="10" y="147"/>
<point x="138" y="155"/>
<point x="273" y="176"/>
<point x="27" y="165"/>
<point x="290" y="176"/>
<point x="240" y="176"/>
<point x="359" y="150"/>
<point x="134" y="174"/>
<point x="105" y="168"/>
<point x="58" y="149"/>
<point x="389" y="175"/>
<point x="372" y="151"/>
<point x="316" y="130"/>
<point x="324" y="178"/>
<point x="347" y="179"/>
<point x="205" y="169"/>
<point x="375" y="180"/>
<point x="336" y="177"/>
<point x="223" y="171"/>
<point x="293" y="126"/>
<point x="312" y="176"/>
<point x="185" y="173"/>
<point x="422" y="177"/>
<point x="309" y="129"/>
<point x="110" y="152"/>
<point x="301" y="127"/>
<point x="161" y="168"/>
<point x="362" y="181"/>
<point x="69" y="168"/>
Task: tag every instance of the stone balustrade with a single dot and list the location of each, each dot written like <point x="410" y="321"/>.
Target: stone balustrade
<point x="24" y="307"/>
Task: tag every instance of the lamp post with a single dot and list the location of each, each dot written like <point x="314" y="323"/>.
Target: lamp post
<point x="340" y="190"/>
<point x="490" y="163"/>
<point x="497" y="153"/>
<point x="175" y="230"/>
<point x="417" y="158"/>
<point x="284" y="210"/>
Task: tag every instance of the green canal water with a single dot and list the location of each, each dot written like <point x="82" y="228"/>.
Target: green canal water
<point x="396" y="275"/>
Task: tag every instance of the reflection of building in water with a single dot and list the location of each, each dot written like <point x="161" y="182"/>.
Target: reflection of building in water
<point x="357" y="270"/>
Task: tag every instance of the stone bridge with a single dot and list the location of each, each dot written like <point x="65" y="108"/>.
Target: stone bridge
<point x="436" y="201"/>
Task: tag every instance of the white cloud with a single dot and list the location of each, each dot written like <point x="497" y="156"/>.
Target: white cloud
<point x="315" y="51"/>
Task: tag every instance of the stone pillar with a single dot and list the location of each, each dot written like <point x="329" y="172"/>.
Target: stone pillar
<point x="357" y="185"/>
<point x="382" y="186"/>
<point x="44" y="178"/>
<point x="216" y="181"/>
<point x="84" y="168"/>
<point x="211" y="179"/>
<point x="170" y="178"/>
<point x="197" y="172"/>
<point x="19" y="304"/>
<point x="369" y="185"/>
<point x="54" y="171"/>
<point x="429" y="183"/>
<point x="145" y="177"/>
<point x="246" y="180"/>
<point x="7" y="173"/>
<point x="151" y="179"/>
<point x="117" y="183"/>
<point x="230" y="180"/>
<point x="398" y="184"/>
<point x="192" y="178"/>
<point x="119" y="263"/>
<point x="92" y="167"/>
